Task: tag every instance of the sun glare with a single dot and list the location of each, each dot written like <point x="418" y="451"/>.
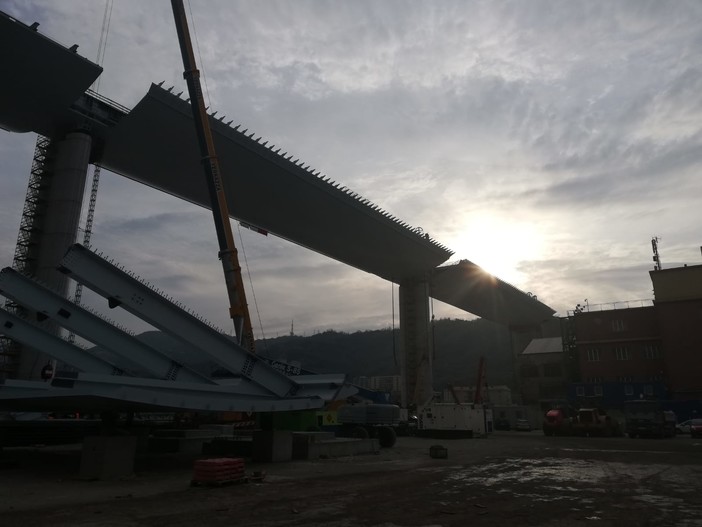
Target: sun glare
<point x="498" y="245"/>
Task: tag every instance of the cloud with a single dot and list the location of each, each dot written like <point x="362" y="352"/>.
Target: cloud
<point x="569" y="130"/>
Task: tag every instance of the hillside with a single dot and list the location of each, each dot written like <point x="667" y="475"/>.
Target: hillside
<point x="458" y="347"/>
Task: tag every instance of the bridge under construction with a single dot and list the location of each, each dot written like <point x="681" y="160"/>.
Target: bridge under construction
<point x="154" y="143"/>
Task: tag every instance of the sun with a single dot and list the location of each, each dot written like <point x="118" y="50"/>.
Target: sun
<point x="499" y="245"/>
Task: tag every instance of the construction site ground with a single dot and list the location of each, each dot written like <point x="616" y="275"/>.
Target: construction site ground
<point x="510" y="478"/>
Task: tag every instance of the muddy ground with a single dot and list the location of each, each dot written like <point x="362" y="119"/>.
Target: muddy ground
<point x="511" y="478"/>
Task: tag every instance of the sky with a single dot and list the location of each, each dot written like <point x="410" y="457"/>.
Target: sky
<point x="546" y="141"/>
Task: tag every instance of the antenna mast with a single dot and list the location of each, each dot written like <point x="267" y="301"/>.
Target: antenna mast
<point x="656" y="257"/>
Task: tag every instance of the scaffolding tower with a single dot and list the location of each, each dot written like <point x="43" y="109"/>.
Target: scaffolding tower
<point x="31" y="227"/>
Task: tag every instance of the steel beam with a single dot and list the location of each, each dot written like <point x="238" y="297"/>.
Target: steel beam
<point x="96" y="392"/>
<point x="32" y="335"/>
<point x="183" y="395"/>
<point x="123" y="290"/>
<point x="137" y="355"/>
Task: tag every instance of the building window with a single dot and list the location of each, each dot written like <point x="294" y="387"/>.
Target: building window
<point x="651" y="351"/>
<point x="618" y="326"/>
<point x="625" y="378"/>
<point x="648" y="389"/>
<point x="628" y="390"/>
<point x="552" y="370"/>
<point x="595" y="380"/>
<point x="621" y="353"/>
<point x="580" y="391"/>
<point x="598" y="389"/>
<point x="593" y="355"/>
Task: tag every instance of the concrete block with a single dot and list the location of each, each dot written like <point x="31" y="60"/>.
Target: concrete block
<point x="272" y="445"/>
<point x="108" y="457"/>
<point x="303" y="440"/>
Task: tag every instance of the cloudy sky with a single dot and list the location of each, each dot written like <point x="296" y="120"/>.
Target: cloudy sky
<point x="546" y="141"/>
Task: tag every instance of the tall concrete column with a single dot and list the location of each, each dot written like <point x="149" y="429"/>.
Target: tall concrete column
<point x="416" y="348"/>
<point x="64" y="200"/>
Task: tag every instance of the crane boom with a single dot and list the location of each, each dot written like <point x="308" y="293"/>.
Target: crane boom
<point x="238" y="308"/>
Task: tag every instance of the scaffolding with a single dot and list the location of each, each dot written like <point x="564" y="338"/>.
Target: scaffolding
<point x="31" y="226"/>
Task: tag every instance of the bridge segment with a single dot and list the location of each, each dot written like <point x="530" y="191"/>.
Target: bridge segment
<point x="155" y="144"/>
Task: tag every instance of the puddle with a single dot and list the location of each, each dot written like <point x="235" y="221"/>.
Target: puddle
<point x="617" y="451"/>
<point x="566" y="475"/>
<point x="552" y="470"/>
<point x="664" y="490"/>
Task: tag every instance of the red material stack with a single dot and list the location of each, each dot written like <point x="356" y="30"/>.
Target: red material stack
<point x="219" y="471"/>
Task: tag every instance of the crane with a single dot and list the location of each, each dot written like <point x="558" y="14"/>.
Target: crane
<point x="238" y="308"/>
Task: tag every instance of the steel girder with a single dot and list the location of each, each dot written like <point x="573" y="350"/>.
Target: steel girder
<point x="131" y="353"/>
<point x="23" y="331"/>
<point x="138" y="298"/>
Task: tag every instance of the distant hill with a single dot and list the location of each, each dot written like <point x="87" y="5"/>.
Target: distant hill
<point x="458" y="346"/>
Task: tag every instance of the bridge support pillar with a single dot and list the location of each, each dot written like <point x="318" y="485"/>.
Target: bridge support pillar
<point x="416" y="346"/>
<point x="63" y="191"/>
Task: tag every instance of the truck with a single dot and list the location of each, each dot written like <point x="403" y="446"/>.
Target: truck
<point x="558" y="421"/>
<point x="595" y="422"/>
<point x="362" y="421"/>
<point x="647" y="418"/>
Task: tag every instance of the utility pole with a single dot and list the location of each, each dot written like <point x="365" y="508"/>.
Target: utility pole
<point x="238" y="308"/>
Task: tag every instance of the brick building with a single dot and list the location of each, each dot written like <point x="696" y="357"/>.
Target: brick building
<point x="678" y="303"/>
<point x="651" y="351"/>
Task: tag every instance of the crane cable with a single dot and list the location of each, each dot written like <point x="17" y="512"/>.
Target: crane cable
<point x="88" y="231"/>
<point x="253" y="292"/>
<point x="102" y="45"/>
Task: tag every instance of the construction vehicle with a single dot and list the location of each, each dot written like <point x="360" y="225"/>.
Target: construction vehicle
<point x="646" y="418"/>
<point x="362" y="421"/>
<point x="595" y="422"/>
<point x="558" y="421"/>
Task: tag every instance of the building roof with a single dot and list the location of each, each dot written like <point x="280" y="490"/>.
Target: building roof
<point x="544" y="345"/>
